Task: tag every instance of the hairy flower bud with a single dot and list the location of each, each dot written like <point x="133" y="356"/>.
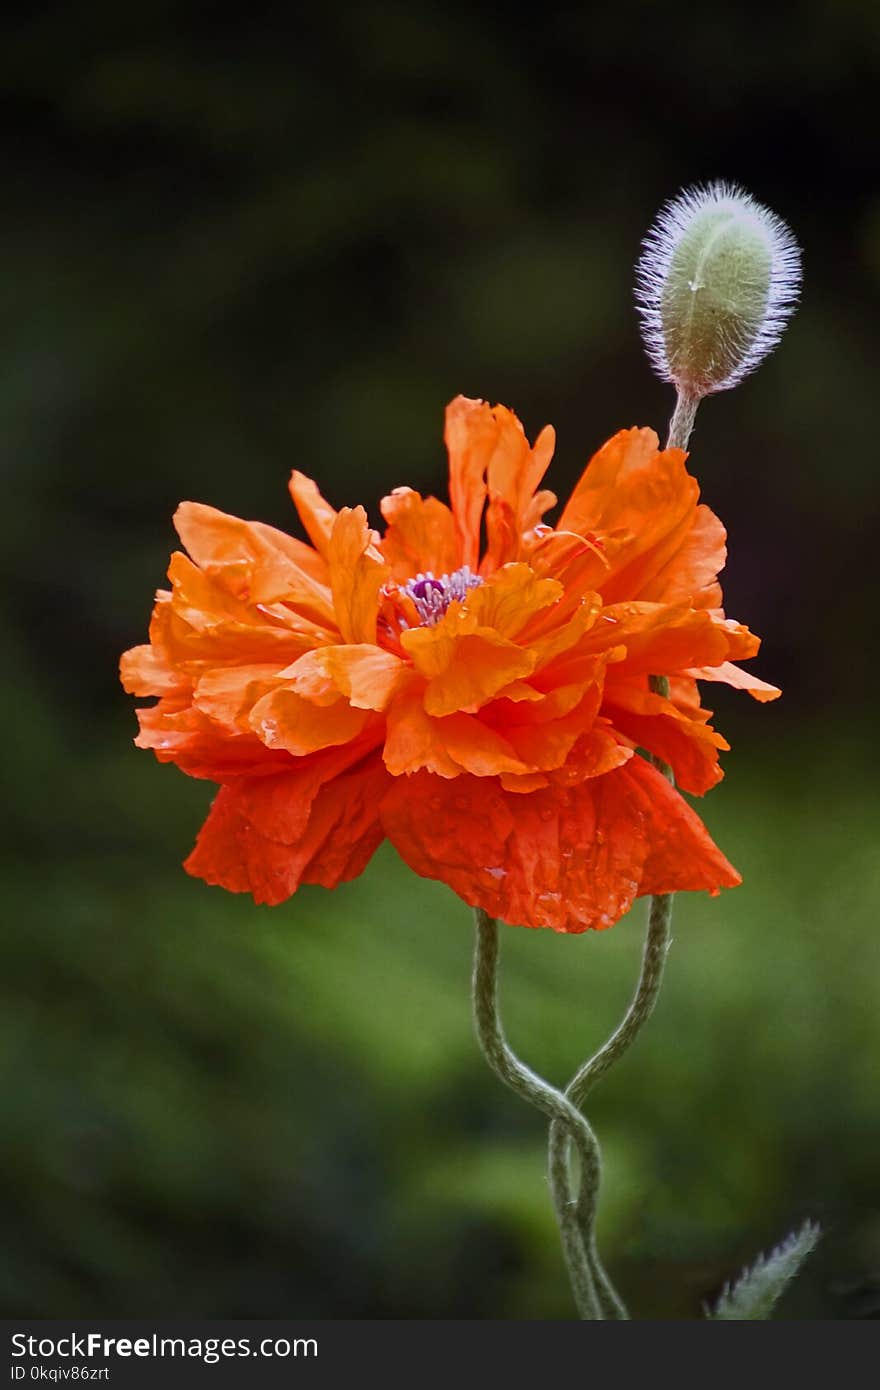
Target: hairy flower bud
<point x="716" y="283"/>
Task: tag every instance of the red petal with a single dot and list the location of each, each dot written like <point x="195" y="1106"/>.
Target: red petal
<point x="267" y="836"/>
<point x="570" y="858"/>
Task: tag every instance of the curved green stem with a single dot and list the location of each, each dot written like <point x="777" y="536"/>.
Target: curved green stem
<point x="544" y="1097"/>
<point x="657" y="942"/>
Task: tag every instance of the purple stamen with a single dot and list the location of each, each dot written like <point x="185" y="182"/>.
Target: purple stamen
<point x="432" y="596"/>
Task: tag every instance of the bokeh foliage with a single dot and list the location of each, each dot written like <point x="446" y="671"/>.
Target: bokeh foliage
<point x="232" y="245"/>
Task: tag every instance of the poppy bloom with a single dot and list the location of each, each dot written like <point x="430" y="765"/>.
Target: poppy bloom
<point x="471" y="683"/>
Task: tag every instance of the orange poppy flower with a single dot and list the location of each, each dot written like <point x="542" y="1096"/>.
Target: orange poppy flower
<point x="479" y="702"/>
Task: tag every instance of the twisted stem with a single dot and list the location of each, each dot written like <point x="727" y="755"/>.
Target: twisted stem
<point x="544" y="1097"/>
<point x="657" y="942"/>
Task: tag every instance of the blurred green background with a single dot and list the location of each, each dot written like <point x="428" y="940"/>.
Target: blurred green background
<point x="233" y="243"/>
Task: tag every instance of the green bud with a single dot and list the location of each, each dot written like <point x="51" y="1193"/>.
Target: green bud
<point x="717" y="282"/>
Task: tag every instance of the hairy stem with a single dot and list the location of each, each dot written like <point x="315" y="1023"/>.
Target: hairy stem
<point x="682" y="423"/>
<point x="544" y="1097"/>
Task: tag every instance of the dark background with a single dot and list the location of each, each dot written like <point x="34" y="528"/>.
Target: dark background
<point x="232" y="243"/>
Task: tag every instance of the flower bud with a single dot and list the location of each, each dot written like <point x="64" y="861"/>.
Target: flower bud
<point x="716" y="283"/>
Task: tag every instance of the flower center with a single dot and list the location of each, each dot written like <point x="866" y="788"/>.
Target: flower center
<point x="432" y="596"/>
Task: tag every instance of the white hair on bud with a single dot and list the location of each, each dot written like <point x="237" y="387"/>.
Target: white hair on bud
<point x="716" y="239"/>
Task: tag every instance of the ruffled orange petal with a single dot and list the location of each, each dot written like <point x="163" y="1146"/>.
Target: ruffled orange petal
<point x="267" y="836"/>
<point x="489" y="456"/>
<point x="464" y="670"/>
<point x="367" y="676"/>
<point x="228" y="694"/>
<point x="739" y="679"/>
<point x="145" y="670"/>
<point x="579" y="563"/>
<point x="316" y="514"/>
<point x="478" y="749"/>
<point x="567" y="858"/>
<point x="256" y="563"/>
<point x="543" y="732"/>
<point x="284" y="719"/>
<point x="413" y="739"/>
<point x="512" y="599"/>
<point x="691" y="574"/>
<point x="200" y="625"/>
<point x="663" y="641"/>
<point x="421" y="535"/>
<point x="546" y="745"/>
<point x="357" y="573"/>
<point x="513" y="473"/>
<point x="447" y="746"/>
<point x="201" y="747"/>
<point x="641" y="502"/>
<point x="689" y="745"/>
<point x="470" y="656"/>
<point x="596" y="753"/>
<point x="469" y="435"/>
<point x="682" y="857"/>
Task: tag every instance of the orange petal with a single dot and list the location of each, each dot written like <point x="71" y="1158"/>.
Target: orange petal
<point x="367" y="676"/>
<point x="316" y="514"/>
<point x="469" y="434"/>
<point x="478" y="749"/>
<point x="641" y="502"/>
<point x="254" y="562"/>
<point x="579" y="563"/>
<point x="229" y="693"/>
<point x="145" y="671"/>
<point x="567" y="858"/>
<point x="421" y="535"/>
<point x="202" y="747"/>
<point x="482" y="664"/>
<point x="412" y="738"/>
<point x="284" y="719"/>
<point x="690" y="575"/>
<point x="664" y="640"/>
<point x="597" y="752"/>
<point x="689" y="745"/>
<point x="682" y="857"/>
<point x="739" y="679"/>
<point x="267" y="836"/>
<point x="357" y="573"/>
<point x="458" y="742"/>
<point x="511" y="598"/>
<point x="513" y="472"/>
<point x="200" y="624"/>
<point x="557" y="638"/>
<point x="546" y="745"/>
<point x="525" y="782"/>
<point x="489" y="455"/>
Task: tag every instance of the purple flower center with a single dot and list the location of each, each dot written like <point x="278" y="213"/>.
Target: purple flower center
<point x="432" y="596"/>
